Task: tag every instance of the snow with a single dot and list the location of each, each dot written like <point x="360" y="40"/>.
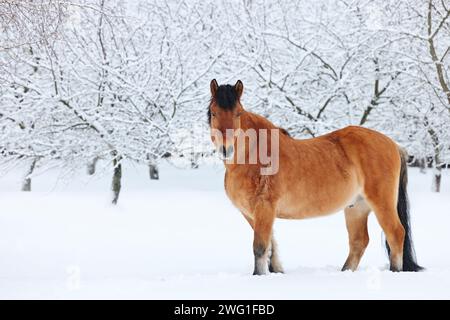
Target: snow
<point x="180" y="238"/>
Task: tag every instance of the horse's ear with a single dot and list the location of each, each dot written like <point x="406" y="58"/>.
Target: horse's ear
<point x="239" y="87"/>
<point x="213" y="86"/>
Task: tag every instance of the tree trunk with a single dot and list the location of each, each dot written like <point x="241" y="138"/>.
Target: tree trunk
<point x="194" y="160"/>
<point x="116" y="181"/>
<point x="438" y="62"/>
<point x="92" y="166"/>
<point x="423" y="165"/>
<point x="154" y="172"/>
<point x="436" y="187"/>
<point x="26" y="183"/>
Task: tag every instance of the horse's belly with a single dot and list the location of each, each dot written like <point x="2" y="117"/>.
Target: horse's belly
<point x="305" y="211"/>
<point x="303" y="205"/>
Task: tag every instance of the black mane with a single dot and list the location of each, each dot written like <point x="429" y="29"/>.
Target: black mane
<point x="226" y="98"/>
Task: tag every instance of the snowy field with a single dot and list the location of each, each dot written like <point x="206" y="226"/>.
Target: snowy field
<point x="180" y="238"/>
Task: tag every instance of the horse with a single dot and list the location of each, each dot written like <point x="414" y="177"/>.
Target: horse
<point x="354" y="169"/>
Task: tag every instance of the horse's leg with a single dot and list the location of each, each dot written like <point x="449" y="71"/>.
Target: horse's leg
<point x="264" y="218"/>
<point x="384" y="203"/>
<point x="274" y="260"/>
<point x="356" y="221"/>
<point x="395" y="235"/>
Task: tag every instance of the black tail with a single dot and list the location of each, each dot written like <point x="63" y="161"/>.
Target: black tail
<point x="409" y="256"/>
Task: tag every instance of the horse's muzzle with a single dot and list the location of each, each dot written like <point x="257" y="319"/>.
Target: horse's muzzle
<point x="226" y="152"/>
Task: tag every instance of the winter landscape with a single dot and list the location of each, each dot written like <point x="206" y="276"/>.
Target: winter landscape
<point x="180" y="238"/>
<point x="109" y="183"/>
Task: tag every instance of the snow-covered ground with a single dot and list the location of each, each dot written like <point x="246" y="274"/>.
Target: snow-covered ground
<point x="181" y="238"/>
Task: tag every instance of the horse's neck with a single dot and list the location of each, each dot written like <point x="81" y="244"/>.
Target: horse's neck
<point x="253" y="121"/>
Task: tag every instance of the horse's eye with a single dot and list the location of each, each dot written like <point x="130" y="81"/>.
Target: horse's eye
<point x="238" y="114"/>
<point x="213" y="114"/>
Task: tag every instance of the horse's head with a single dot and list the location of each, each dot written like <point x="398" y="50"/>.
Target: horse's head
<point x="224" y="116"/>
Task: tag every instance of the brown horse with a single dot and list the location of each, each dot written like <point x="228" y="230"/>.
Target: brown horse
<point x="355" y="169"/>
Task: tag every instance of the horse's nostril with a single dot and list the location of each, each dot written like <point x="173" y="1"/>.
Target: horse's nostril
<point x="223" y="151"/>
<point x="226" y="152"/>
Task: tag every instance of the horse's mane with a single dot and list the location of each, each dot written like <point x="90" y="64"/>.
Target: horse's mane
<point x="285" y="132"/>
<point x="261" y="122"/>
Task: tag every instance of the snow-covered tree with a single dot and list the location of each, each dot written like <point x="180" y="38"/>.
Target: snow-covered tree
<point x="128" y="80"/>
<point x="112" y="85"/>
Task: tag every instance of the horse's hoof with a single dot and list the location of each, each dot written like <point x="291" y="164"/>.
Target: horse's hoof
<point x="276" y="270"/>
<point x="348" y="268"/>
<point x="259" y="273"/>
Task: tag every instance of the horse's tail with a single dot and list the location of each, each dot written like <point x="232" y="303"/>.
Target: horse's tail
<point x="409" y="256"/>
